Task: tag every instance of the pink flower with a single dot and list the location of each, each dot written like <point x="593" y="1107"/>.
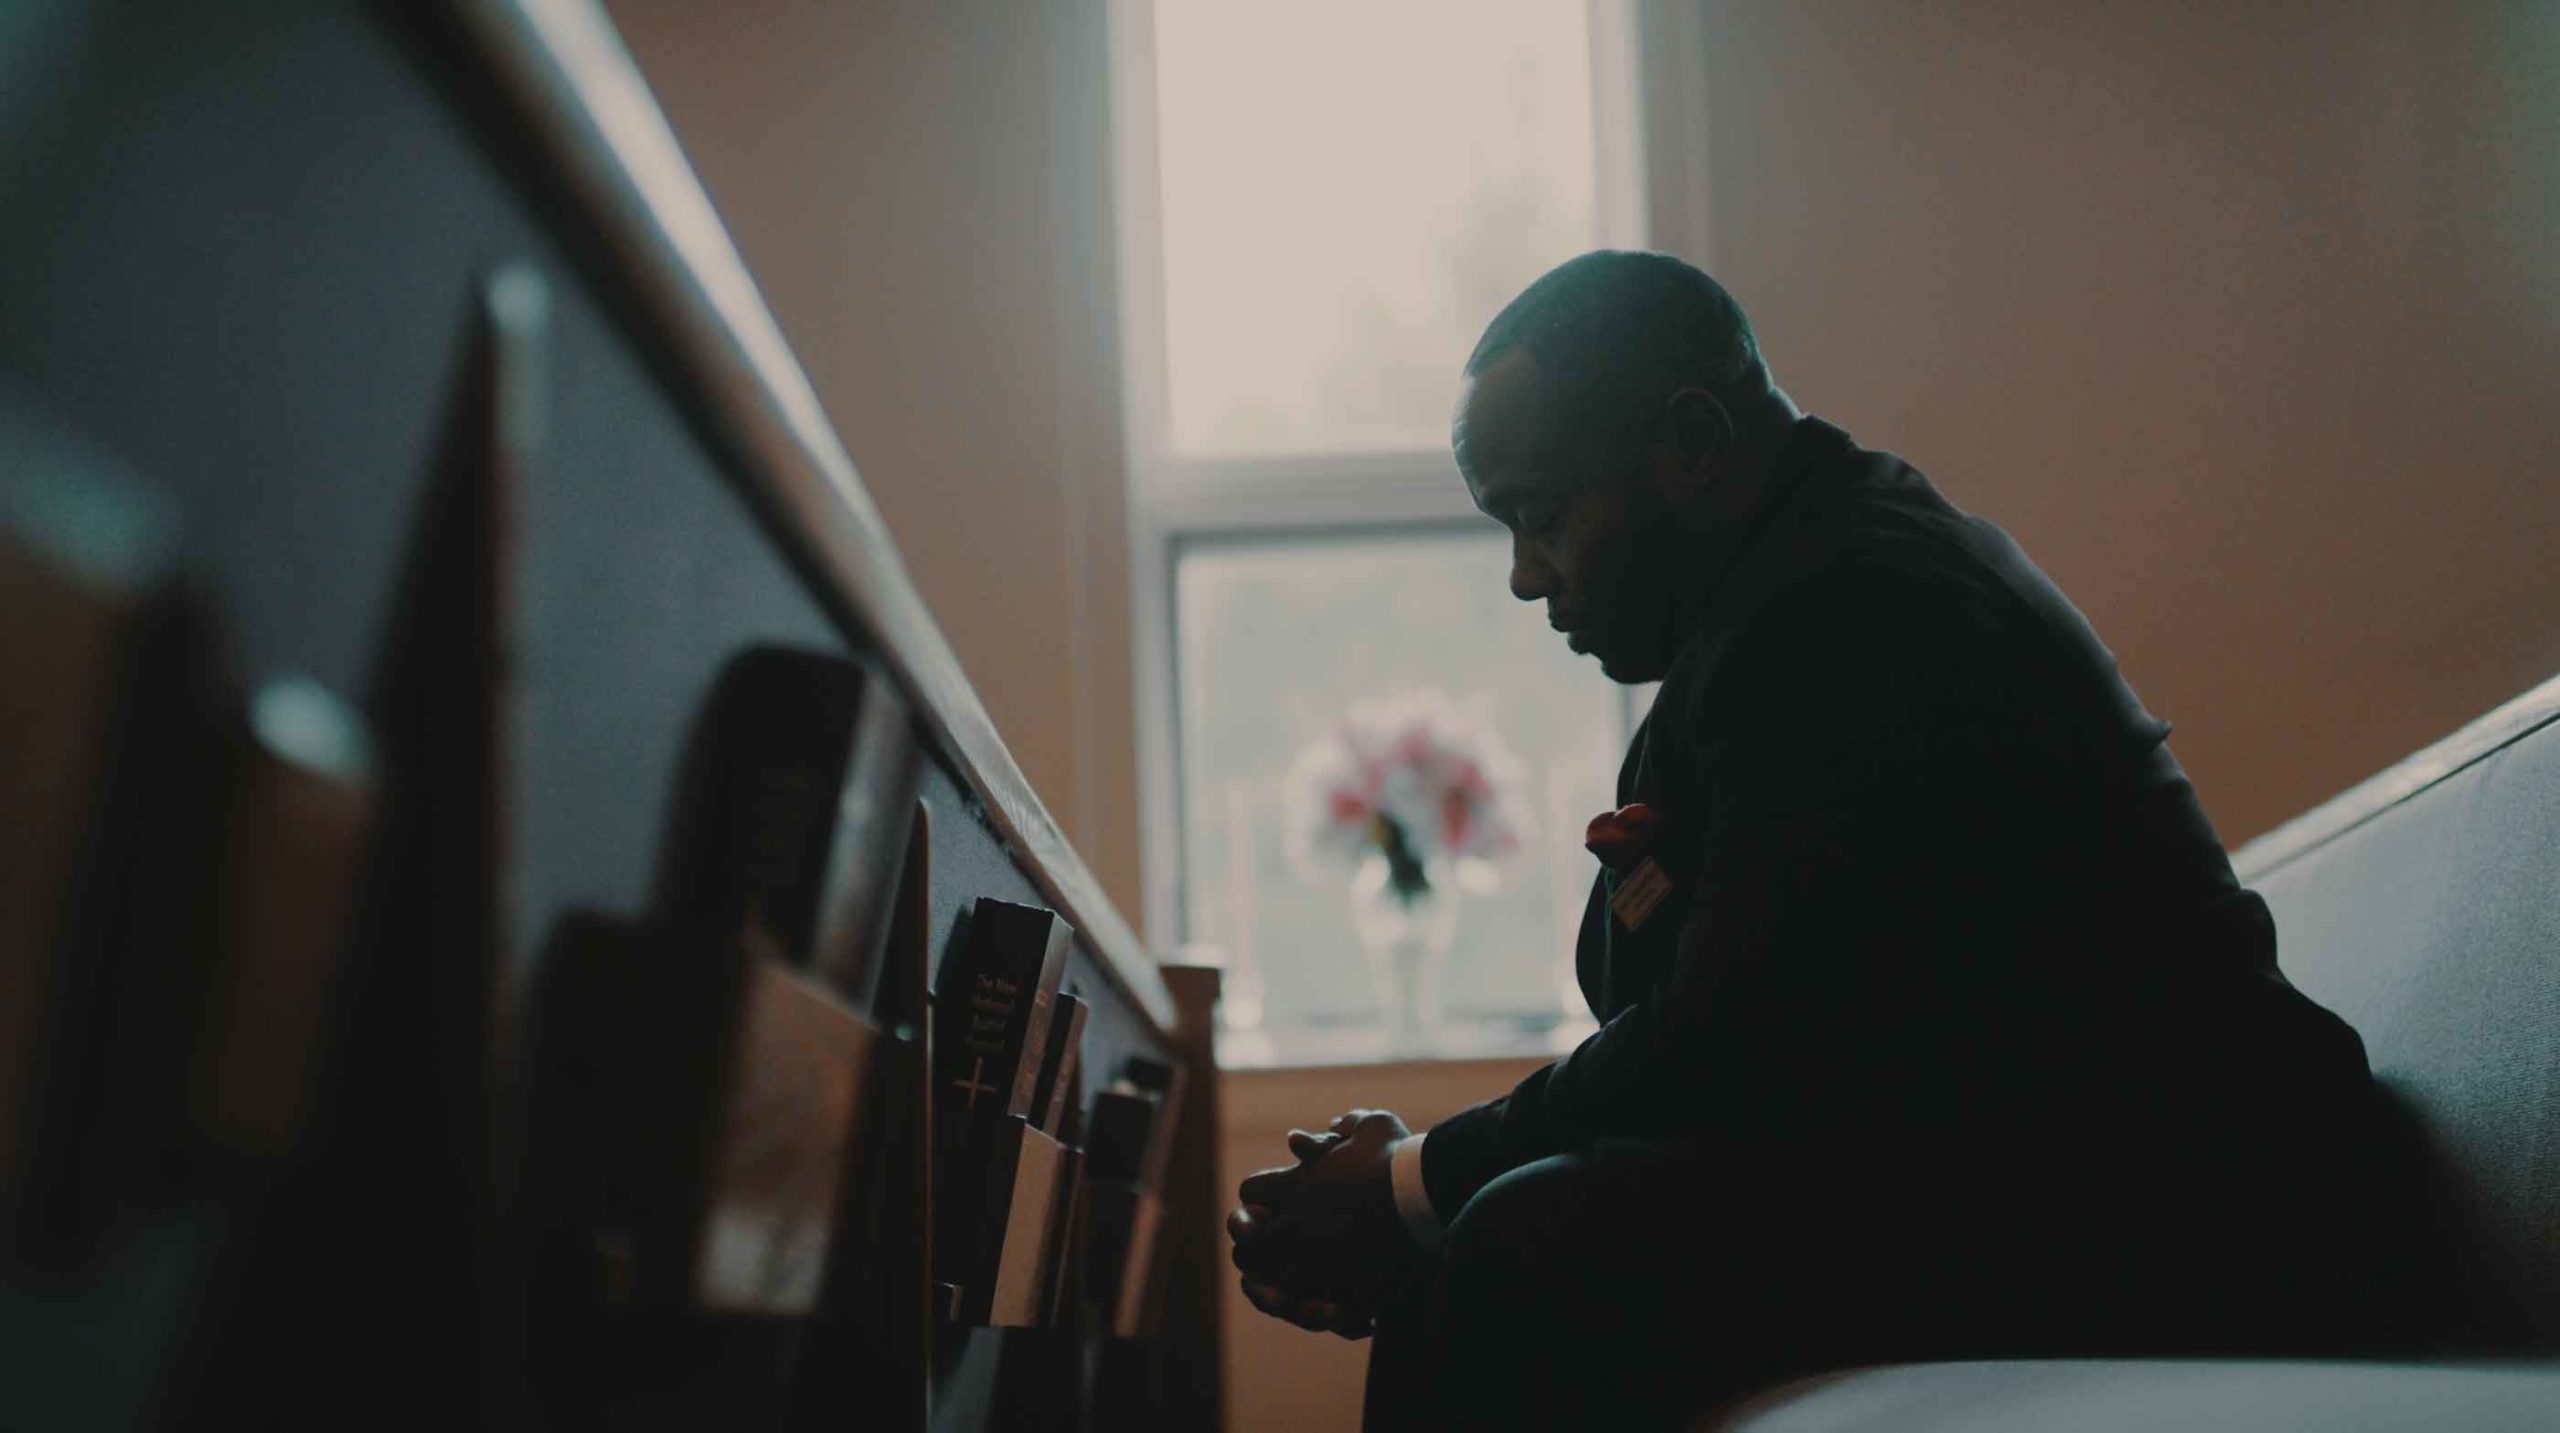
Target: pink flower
<point x="1414" y="761"/>
<point x="1457" y="819"/>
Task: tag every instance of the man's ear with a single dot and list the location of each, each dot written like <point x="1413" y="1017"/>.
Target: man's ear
<point x="1697" y="438"/>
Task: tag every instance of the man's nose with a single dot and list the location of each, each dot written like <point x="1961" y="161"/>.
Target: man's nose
<point x="1532" y="580"/>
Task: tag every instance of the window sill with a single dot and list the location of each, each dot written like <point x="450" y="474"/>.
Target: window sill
<point x="1341" y="1046"/>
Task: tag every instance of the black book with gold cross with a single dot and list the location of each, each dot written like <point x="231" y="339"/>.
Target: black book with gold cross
<point x="993" y="1000"/>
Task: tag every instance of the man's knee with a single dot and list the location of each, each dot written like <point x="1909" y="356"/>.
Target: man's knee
<point x="1528" y="1215"/>
<point x="1562" y="1286"/>
<point x="1584" y="1226"/>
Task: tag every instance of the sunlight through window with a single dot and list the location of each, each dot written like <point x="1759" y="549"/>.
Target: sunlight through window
<point x="1349" y="191"/>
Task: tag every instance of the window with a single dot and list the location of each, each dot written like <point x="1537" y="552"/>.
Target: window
<point x="1322" y="205"/>
<point x="1279" y="638"/>
<point x="1347" y="195"/>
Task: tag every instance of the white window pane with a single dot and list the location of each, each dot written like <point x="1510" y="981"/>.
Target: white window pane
<point x="1349" y="192"/>
<point x="1278" y="640"/>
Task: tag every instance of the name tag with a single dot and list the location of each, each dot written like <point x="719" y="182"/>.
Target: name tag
<point x="1641" y="891"/>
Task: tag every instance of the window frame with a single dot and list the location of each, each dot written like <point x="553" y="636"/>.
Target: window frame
<point x="1179" y="499"/>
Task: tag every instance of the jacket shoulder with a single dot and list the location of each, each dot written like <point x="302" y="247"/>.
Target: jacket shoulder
<point x="1872" y="604"/>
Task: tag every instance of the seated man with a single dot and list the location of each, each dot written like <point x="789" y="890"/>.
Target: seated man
<point x="1934" y="1021"/>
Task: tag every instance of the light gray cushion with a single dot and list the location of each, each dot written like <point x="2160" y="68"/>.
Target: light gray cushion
<point x="2177" y="1395"/>
<point x="2424" y="908"/>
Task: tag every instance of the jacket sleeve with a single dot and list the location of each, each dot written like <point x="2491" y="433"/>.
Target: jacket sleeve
<point x="1873" y="774"/>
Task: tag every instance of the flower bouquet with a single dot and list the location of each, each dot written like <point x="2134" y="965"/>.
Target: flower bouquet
<point x="1414" y="795"/>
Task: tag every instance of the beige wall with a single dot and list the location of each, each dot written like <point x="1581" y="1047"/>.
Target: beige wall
<point x="2243" y="319"/>
<point x="921" y="187"/>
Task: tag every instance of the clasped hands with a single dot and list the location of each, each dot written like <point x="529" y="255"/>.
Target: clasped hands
<point x="1320" y="1242"/>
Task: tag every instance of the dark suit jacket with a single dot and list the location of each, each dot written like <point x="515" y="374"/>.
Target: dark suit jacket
<point x="1950" y="928"/>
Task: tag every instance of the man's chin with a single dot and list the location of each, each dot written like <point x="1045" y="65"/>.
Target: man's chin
<point x="1625" y="668"/>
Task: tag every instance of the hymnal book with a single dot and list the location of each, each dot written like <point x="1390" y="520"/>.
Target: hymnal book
<point x="1130" y="1131"/>
<point x="695" y="1101"/>
<point x="1163" y="1080"/>
<point x="793" y="1100"/>
<point x="1067" y="1266"/>
<point x="900" y="992"/>
<point x="1053" y="1095"/>
<point x="1118" y="1207"/>
<point x="614" y="1094"/>
<point x="1031" y="1188"/>
<point x="739" y="1058"/>
<point x="1128" y="1141"/>
<point x="301" y="812"/>
<point x="874" y="822"/>
<point x="1118" y="1133"/>
<point x="757" y="801"/>
<point x="877" y="1312"/>
<point x="81" y="562"/>
<point x="1031" y="1184"/>
<point x="123" y="1010"/>
<point x="740" y="1082"/>
<point x="993" y="1001"/>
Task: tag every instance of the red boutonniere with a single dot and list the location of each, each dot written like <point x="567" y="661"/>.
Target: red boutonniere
<point x="1623" y="840"/>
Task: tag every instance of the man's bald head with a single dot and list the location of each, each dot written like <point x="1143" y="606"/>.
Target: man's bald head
<point x="1616" y="332"/>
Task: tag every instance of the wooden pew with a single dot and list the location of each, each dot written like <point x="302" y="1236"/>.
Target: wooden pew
<point x="475" y="1125"/>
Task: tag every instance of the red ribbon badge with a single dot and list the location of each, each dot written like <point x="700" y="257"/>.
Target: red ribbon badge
<point x="1622" y="837"/>
<point x="1623" y="840"/>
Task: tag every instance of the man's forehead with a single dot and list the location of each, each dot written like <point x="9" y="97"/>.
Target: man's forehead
<point x="1504" y="406"/>
<point x="1501" y="432"/>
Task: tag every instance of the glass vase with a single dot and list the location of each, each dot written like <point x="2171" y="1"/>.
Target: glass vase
<point x="1405" y="935"/>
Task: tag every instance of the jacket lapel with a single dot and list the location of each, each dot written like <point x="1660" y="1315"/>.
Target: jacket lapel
<point x="1615" y="966"/>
